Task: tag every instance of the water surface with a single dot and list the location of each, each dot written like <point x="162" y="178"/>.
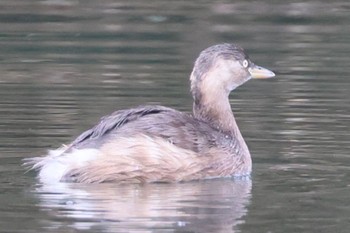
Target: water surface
<point x="64" y="64"/>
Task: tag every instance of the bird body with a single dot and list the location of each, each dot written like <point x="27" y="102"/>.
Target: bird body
<point x="160" y="144"/>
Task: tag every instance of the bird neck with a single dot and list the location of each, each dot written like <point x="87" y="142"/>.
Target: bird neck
<point x="218" y="114"/>
<point x="211" y="104"/>
<point x="215" y="109"/>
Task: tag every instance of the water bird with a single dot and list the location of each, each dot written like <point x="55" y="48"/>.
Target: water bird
<point x="160" y="144"/>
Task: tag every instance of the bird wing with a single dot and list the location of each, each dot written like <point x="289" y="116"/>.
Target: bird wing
<point x="116" y="120"/>
<point x="178" y="128"/>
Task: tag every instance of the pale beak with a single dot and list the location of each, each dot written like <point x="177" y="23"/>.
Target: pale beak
<point x="260" y="72"/>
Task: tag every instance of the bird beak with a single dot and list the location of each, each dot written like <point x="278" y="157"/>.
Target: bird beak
<point x="260" y="72"/>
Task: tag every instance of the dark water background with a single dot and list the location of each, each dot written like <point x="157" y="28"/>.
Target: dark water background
<point x="64" y="64"/>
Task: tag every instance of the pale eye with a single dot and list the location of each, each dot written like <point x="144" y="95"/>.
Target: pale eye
<point x="245" y="64"/>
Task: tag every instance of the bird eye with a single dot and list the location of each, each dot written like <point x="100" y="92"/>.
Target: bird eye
<point x="245" y="63"/>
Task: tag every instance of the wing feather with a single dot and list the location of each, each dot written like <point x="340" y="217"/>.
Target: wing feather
<point x="116" y="120"/>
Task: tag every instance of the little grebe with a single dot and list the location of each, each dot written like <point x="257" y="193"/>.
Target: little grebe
<point x="160" y="144"/>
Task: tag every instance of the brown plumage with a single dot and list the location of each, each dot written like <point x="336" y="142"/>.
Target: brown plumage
<point x="160" y="144"/>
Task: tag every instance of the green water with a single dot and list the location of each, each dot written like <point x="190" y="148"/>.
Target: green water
<point x="64" y="64"/>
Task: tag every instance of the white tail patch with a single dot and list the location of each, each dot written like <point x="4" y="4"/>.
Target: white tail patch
<point x="56" y="165"/>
